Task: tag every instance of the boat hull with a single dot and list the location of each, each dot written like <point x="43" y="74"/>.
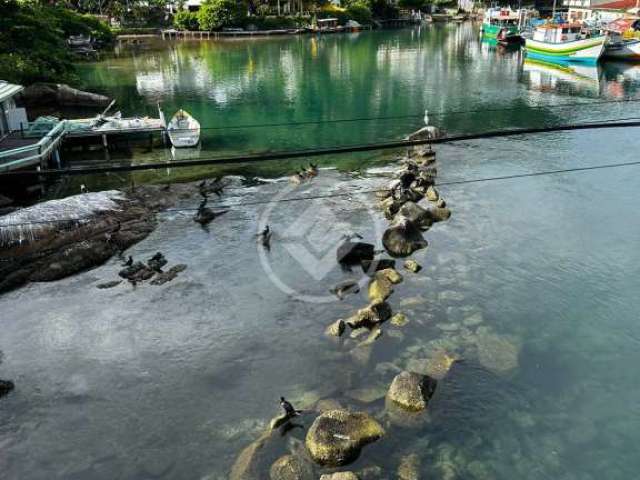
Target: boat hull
<point x="628" y="51"/>
<point x="183" y="130"/>
<point x="491" y="31"/>
<point x="586" y="51"/>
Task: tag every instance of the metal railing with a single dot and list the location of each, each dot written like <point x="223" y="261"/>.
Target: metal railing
<point x="35" y="152"/>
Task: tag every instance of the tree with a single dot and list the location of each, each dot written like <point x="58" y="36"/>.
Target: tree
<point x="215" y="14"/>
<point x="185" y="20"/>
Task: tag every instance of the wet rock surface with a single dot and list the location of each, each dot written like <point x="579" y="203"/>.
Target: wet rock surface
<point x="337" y="436"/>
<point x="411" y="390"/>
<point x="340" y="476"/>
<point x="290" y="467"/>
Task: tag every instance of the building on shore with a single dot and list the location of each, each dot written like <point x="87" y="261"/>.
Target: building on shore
<point x="599" y="10"/>
<point x="11" y="117"/>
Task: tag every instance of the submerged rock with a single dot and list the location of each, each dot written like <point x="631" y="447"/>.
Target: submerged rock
<point x="399" y="320"/>
<point x="327" y="404"/>
<point x="340" y="476"/>
<point x="111" y="284"/>
<point x="370" y="267"/>
<point x="411" y="391"/>
<point x="409" y="468"/>
<point x="353" y="253"/>
<point x="6" y="386"/>
<point x="336" y="329"/>
<point x="497" y="353"/>
<point x="412" y="266"/>
<point x="337" y="436"/>
<point x="164" y="277"/>
<point x="368" y="394"/>
<point x="403" y="238"/>
<point x="376" y="333"/>
<point x="247" y="465"/>
<point x="290" y="467"/>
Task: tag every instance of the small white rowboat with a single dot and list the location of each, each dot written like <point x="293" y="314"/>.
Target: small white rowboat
<point x="183" y="130"/>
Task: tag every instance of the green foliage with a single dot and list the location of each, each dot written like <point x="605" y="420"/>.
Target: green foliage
<point x="216" y="14"/>
<point x="274" y="23"/>
<point x="185" y="20"/>
<point x="32" y="44"/>
<point x="412" y="4"/>
<point x="360" y="13"/>
<point x="383" y="9"/>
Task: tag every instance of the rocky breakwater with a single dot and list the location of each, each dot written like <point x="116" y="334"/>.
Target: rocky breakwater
<point x="58" y="238"/>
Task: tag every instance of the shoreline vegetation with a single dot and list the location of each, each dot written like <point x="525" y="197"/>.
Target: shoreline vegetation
<point x="34" y="35"/>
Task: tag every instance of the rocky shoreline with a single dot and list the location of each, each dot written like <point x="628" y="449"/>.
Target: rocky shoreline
<point x="59" y="238"/>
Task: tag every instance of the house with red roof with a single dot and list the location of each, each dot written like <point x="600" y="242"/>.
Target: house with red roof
<point x="600" y="10"/>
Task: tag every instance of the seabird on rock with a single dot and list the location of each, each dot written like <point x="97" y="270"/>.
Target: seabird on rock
<point x="264" y="237"/>
<point x="288" y="408"/>
<point x="129" y="262"/>
<point x="83" y="188"/>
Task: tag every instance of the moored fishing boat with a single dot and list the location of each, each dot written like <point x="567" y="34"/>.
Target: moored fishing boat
<point x="500" y="21"/>
<point x="564" y="42"/>
<point x="183" y="130"/>
<point x="624" y="43"/>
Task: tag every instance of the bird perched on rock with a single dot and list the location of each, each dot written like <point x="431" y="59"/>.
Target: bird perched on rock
<point x="288" y="408"/>
<point x="129" y="262"/>
<point x="205" y="215"/>
<point x="264" y="237"/>
<point x="157" y="262"/>
<point x="83" y="188"/>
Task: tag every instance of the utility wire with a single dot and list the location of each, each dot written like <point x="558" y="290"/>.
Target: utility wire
<point x="357" y="192"/>
<point x="399" y="144"/>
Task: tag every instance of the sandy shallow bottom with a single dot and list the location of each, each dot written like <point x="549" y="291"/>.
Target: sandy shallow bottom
<point x="532" y="284"/>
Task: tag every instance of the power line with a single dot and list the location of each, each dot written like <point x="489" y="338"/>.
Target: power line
<point x="400" y="144"/>
<point x="356" y="192"/>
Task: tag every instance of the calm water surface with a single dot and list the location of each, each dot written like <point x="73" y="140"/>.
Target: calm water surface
<point x="532" y="283"/>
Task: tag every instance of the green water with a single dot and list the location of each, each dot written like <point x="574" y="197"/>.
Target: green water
<point x="532" y="282"/>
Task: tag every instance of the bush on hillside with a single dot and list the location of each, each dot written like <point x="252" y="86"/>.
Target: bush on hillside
<point x="216" y="14"/>
<point x="186" y="20"/>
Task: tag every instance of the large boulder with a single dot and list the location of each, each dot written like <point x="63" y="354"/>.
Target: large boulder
<point x="61" y="95"/>
<point x="411" y="391"/>
<point x="247" y="465"/>
<point x="290" y="467"/>
<point x="337" y="436"/>
<point x="416" y="214"/>
<point x="403" y="238"/>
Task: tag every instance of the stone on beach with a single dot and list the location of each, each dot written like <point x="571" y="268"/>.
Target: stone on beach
<point x="440" y="214"/>
<point x="411" y="391"/>
<point x="337" y="436"/>
<point x="417" y="215"/>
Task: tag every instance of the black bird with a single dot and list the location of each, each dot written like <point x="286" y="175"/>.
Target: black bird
<point x="129" y="262"/>
<point x="264" y="237"/>
<point x="288" y="408"/>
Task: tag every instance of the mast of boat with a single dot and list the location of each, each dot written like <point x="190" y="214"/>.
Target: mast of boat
<point x="553" y="12"/>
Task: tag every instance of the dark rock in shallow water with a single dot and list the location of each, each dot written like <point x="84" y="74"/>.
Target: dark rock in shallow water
<point x="420" y="217"/>
<point x="164" y="277"/>
<point x="111" y="284"/>
<point x="353" y="253"/>
<point x="138" y="272"/>
<point x="411" y="391"/>
<point x="337" y="436"/>
<point x="5" y="387"/>
<point x="157" y="262"/>
<point x="403" y="238"/>
<point x="370" y="267"/>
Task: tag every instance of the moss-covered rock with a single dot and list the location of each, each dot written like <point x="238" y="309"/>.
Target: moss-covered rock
<point x="371" y="315"/>
<point x="403" y="238"/>
<point x="337" y="436"/>
<point x="399" y="320"/>
<point x="340" y="476"/>
<point x="336" y="329"/>
<point x="411" y="390"/>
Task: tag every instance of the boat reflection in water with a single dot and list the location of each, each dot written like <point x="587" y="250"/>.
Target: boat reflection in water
<point x="622" y="79"/>
<point x="562" y="77"/>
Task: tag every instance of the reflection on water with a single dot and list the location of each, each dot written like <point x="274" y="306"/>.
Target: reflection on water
<point x="570" y="78"/>
<point x="533" y="283"/>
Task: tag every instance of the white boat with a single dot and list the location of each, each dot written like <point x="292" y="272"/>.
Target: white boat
<point x="183" y="130"/>
<point x="564" y="42"/>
